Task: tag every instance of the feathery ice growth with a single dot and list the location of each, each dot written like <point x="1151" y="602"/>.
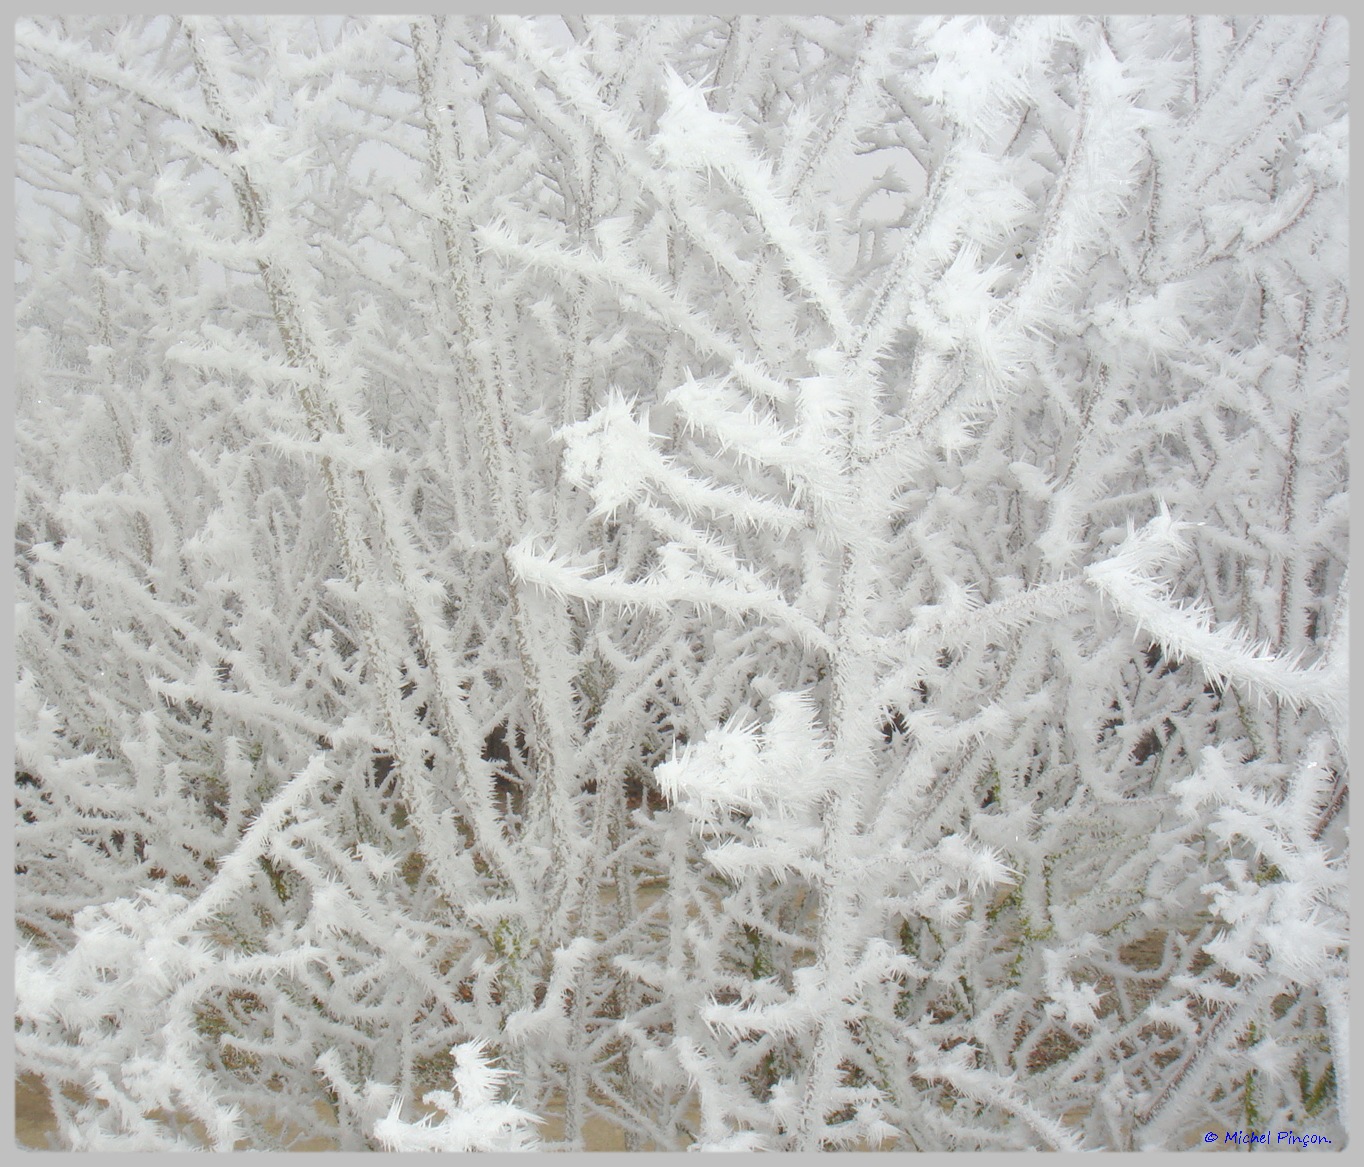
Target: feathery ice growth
<point x="775" y="582"/>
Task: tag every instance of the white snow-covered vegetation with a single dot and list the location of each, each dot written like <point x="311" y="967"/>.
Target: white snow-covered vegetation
<point x="779" y="582"/>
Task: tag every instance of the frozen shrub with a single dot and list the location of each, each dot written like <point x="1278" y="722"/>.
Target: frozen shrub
<point x="782" y="579"/>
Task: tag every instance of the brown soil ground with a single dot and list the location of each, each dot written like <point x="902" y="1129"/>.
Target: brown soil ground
<point x="34" y="1122"/>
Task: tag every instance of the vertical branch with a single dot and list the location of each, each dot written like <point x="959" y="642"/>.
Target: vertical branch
<point x="538" y="621"/>
<point x="309" y="351"/>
